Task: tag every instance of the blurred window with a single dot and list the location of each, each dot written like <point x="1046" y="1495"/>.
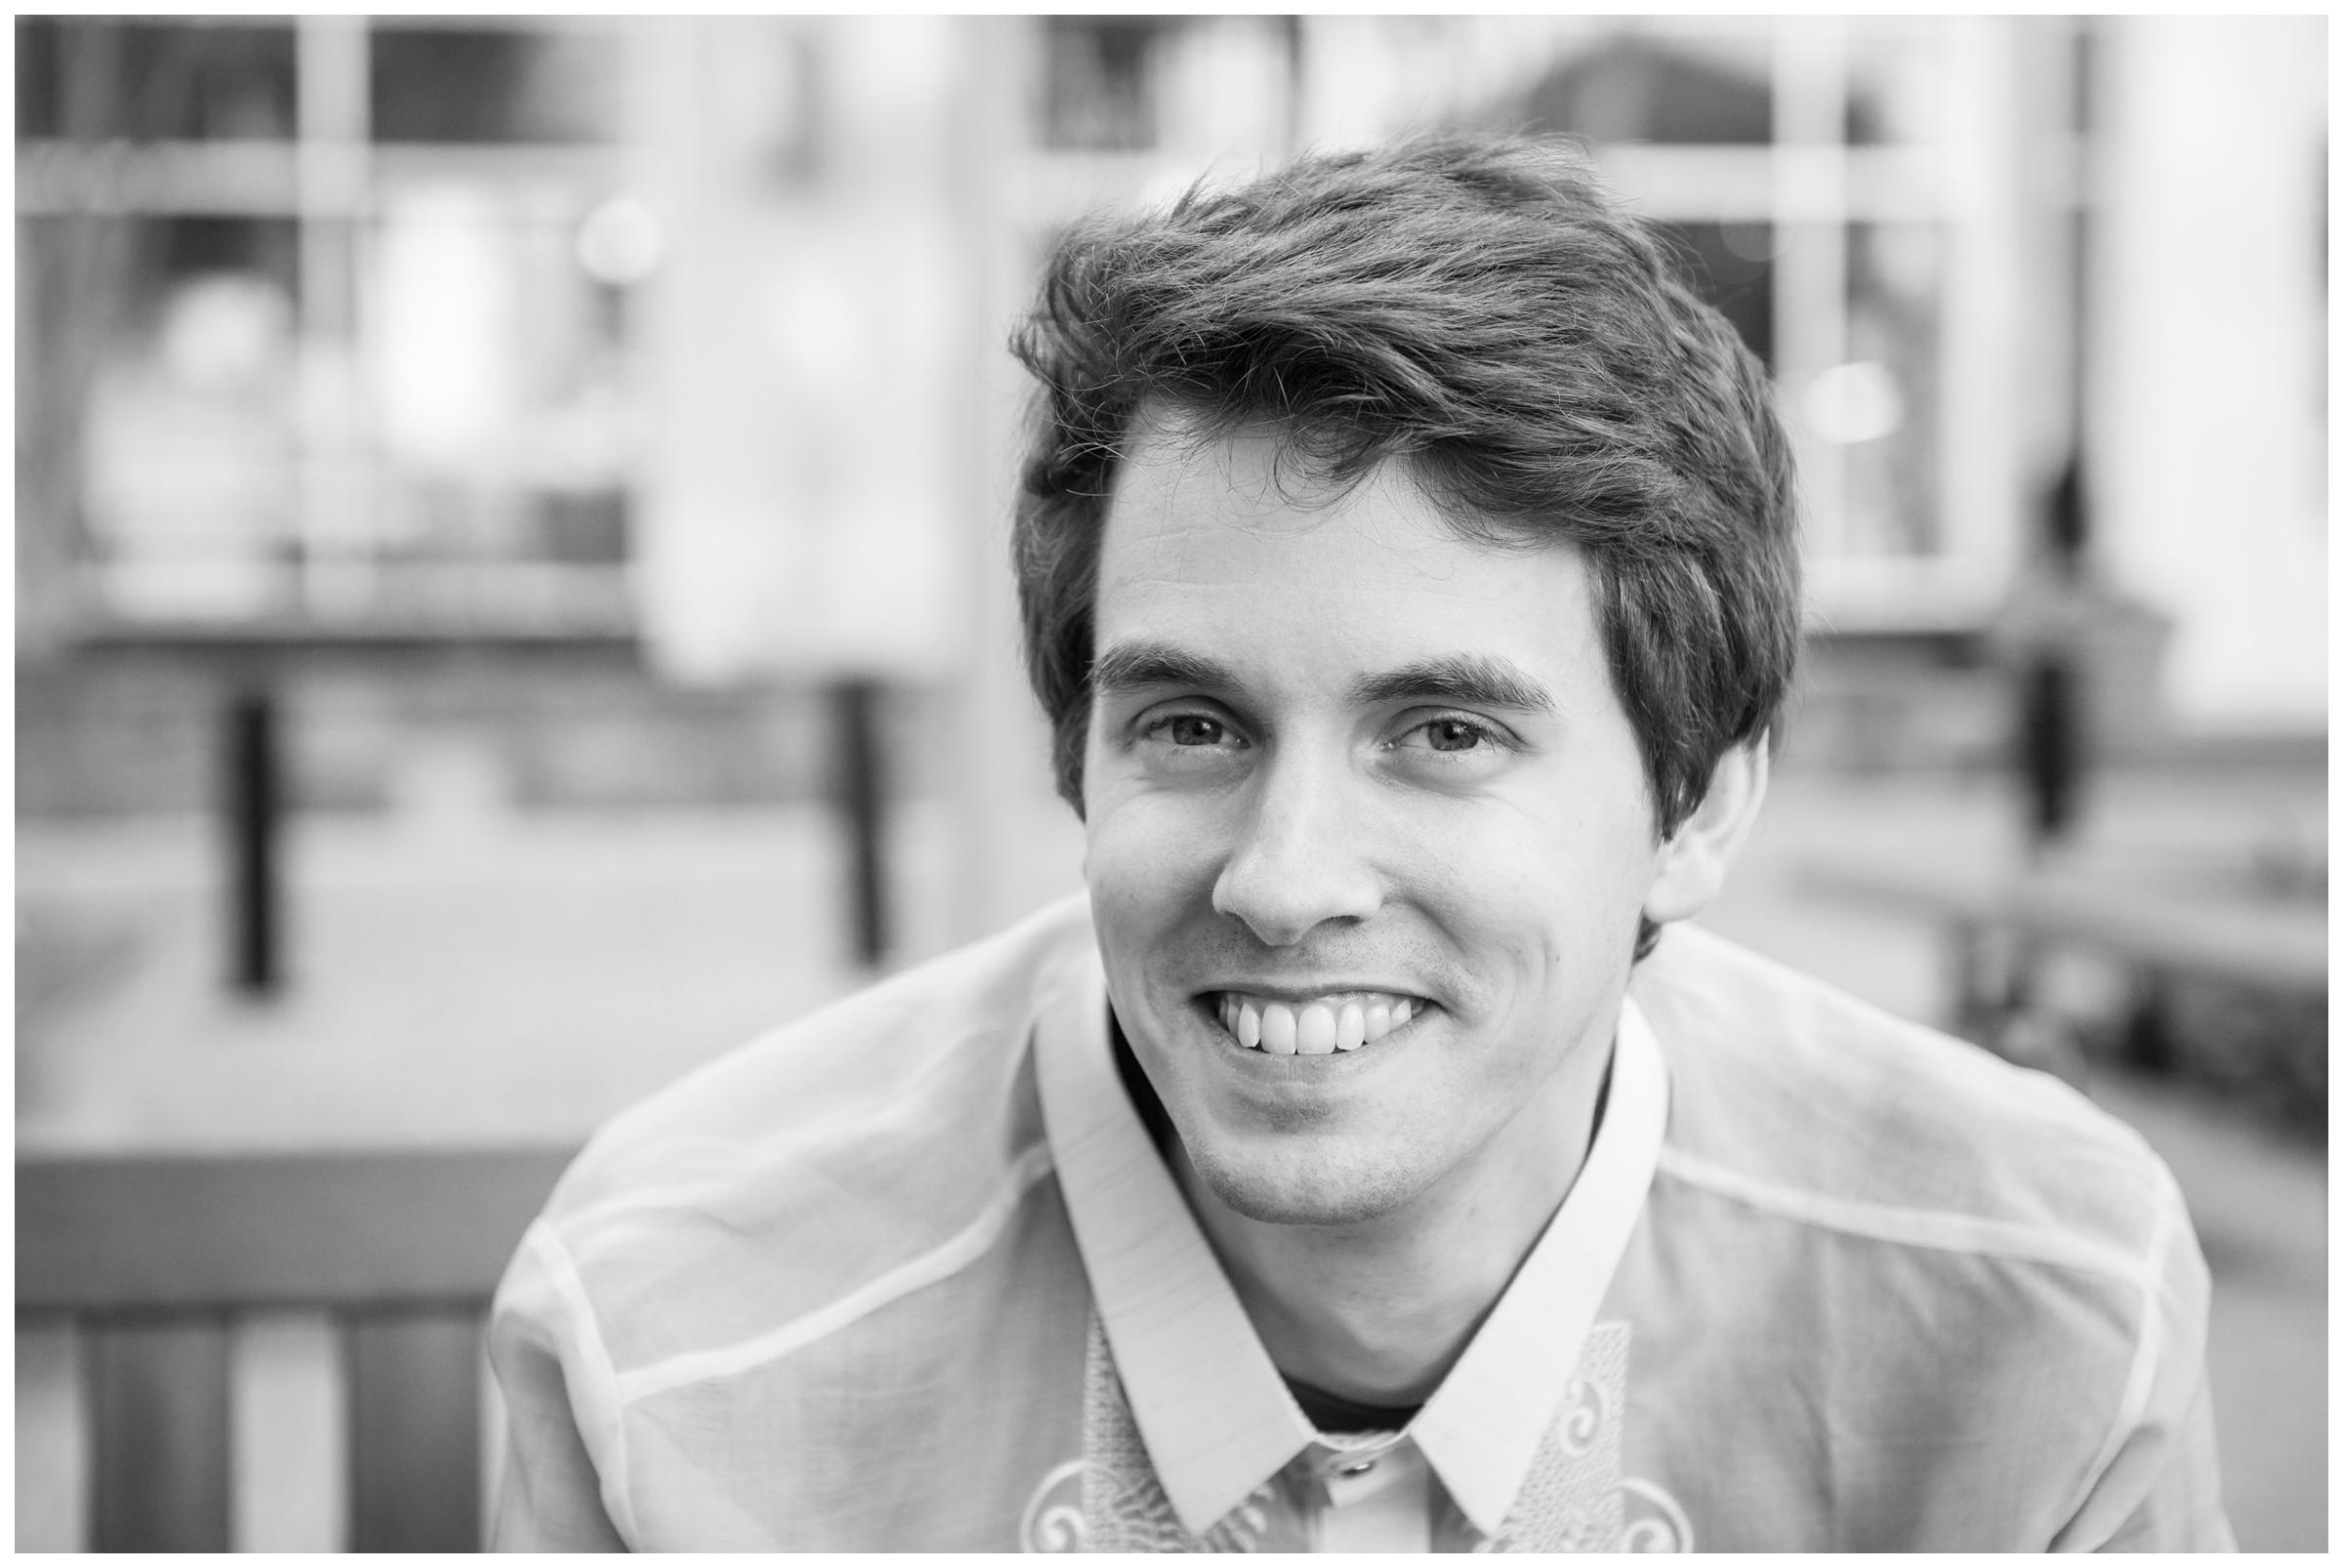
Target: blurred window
<point x="1897" y="82"/>
<point x="153" y="81"/>
<point x="188" y="464"/>
<point x="1636" y="89"/>
<point x="1843" y="188"/>
<point x="1732" y="266"/>
<point x="477" y="84"/>
<point x="1099" y="82"/>
<point x="1883" y="408"/>
<point x="341" y="334"/>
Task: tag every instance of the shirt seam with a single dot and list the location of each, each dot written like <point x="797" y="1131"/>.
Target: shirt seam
<point x="932" y="1267"/>
<point x="1936" y="1230"/>
<point x="691" y="1192"/>
<point x="2147" y="1355"/>
<point x="617" y="1490"/>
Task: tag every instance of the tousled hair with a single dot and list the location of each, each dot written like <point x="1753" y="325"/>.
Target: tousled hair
<point x="1476" y="309"/>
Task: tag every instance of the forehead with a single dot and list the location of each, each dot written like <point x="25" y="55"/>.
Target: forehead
<point x="1230" y="539"/>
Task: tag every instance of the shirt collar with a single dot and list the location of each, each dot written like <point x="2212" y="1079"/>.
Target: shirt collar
<point x="1482" y="1425"/>
<point x="1214" y="1414"/>
<point x="1208" y="1403"/>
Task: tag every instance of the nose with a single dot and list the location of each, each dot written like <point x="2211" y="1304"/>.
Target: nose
<point x="1298" y="860"/>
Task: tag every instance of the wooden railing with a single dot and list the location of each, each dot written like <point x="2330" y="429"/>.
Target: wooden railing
<point x="153" y="1261"/>
<point x="2266" y="944"/>
<point x="1997" y="925"/>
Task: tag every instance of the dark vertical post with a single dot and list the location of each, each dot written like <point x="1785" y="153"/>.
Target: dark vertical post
<point x="414" y="1432"/>
<point x="253" y="830"/>
<point x="159" y="1405"/>
<point x="2052" y="750"/>
<point x="861" y="799"/>
<point x="2150" y="1041"/>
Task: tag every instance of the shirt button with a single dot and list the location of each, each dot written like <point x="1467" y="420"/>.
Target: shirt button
<point x="1360" y="1469"/>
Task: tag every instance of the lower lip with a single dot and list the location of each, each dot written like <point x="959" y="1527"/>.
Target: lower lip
<point x="1212" y="1017"/>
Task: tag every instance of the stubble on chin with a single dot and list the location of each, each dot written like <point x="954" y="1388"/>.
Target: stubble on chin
<point x="1294" y="1186"/>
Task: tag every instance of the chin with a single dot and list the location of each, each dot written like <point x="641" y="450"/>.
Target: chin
<point x="1294" y="1187"/>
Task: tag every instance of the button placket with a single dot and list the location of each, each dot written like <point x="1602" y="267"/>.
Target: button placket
<point x="1349" y="1473"/>
<point x="1376" y="1500"/>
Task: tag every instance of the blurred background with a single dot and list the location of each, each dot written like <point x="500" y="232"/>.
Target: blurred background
<point x="512" y="599"/>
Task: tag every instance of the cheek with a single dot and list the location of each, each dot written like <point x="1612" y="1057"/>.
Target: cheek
<point x="1146" y="856"/>
<point x="1541" y="899"/>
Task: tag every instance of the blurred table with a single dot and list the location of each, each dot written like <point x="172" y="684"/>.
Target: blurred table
<point x="2163" y="929"/>
<point x="2212" y="932"/>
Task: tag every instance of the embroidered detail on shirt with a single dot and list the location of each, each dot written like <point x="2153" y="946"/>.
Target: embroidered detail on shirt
<point x="1124" y="1506"/>
<point x="1655" y="1521"/>
<point x="1586" y="1414"/>
<point x="1053" y="1519"/>
<point x="1573" y="1497"/>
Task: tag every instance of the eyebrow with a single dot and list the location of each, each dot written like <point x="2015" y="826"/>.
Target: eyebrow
<point x="1135" y="666"/>
<point x="1467" y="680"/>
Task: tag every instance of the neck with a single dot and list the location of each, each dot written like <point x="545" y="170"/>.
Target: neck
<point x="1379" y="1310"/>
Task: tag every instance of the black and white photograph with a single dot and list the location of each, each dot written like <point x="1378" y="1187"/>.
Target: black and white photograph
<point x="1082" y="783"/>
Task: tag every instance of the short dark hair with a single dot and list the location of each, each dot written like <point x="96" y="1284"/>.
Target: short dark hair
<point x="1478" y="309"/>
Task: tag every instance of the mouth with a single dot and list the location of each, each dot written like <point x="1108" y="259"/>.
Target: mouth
<point x="1317" y="1027"/>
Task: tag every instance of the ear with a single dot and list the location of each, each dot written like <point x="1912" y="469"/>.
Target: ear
<point x="1693" y="862"/>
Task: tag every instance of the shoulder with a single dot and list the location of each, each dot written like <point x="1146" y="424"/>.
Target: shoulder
<point x="1955" y="1249"/>
<point x="1792" y="1097"/>
<point x="766" y="1185"/>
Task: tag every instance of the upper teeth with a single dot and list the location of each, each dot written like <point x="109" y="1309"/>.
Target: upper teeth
<point x="1313" y="1028"/>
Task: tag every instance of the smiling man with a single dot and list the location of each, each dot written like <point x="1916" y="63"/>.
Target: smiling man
<point x="1409" y="574"/>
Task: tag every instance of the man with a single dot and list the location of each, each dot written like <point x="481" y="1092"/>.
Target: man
<point x="1408" y="570"/>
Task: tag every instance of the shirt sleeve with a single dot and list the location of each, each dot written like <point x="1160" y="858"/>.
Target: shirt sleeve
<point x="548" y="1362"/>
<point x="2160" y="1488"/>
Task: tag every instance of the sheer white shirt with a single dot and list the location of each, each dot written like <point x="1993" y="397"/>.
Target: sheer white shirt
<point x="909" y="1275"/>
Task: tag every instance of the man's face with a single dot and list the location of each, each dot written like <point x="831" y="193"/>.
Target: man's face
<point x="1346" y="768"/>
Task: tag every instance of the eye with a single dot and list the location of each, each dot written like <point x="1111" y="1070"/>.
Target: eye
<point x="1452" y="733"/>
<point x="1189" y="729"/>
<point x="1185" y="740"/>
<point x="1453" y="747"/>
